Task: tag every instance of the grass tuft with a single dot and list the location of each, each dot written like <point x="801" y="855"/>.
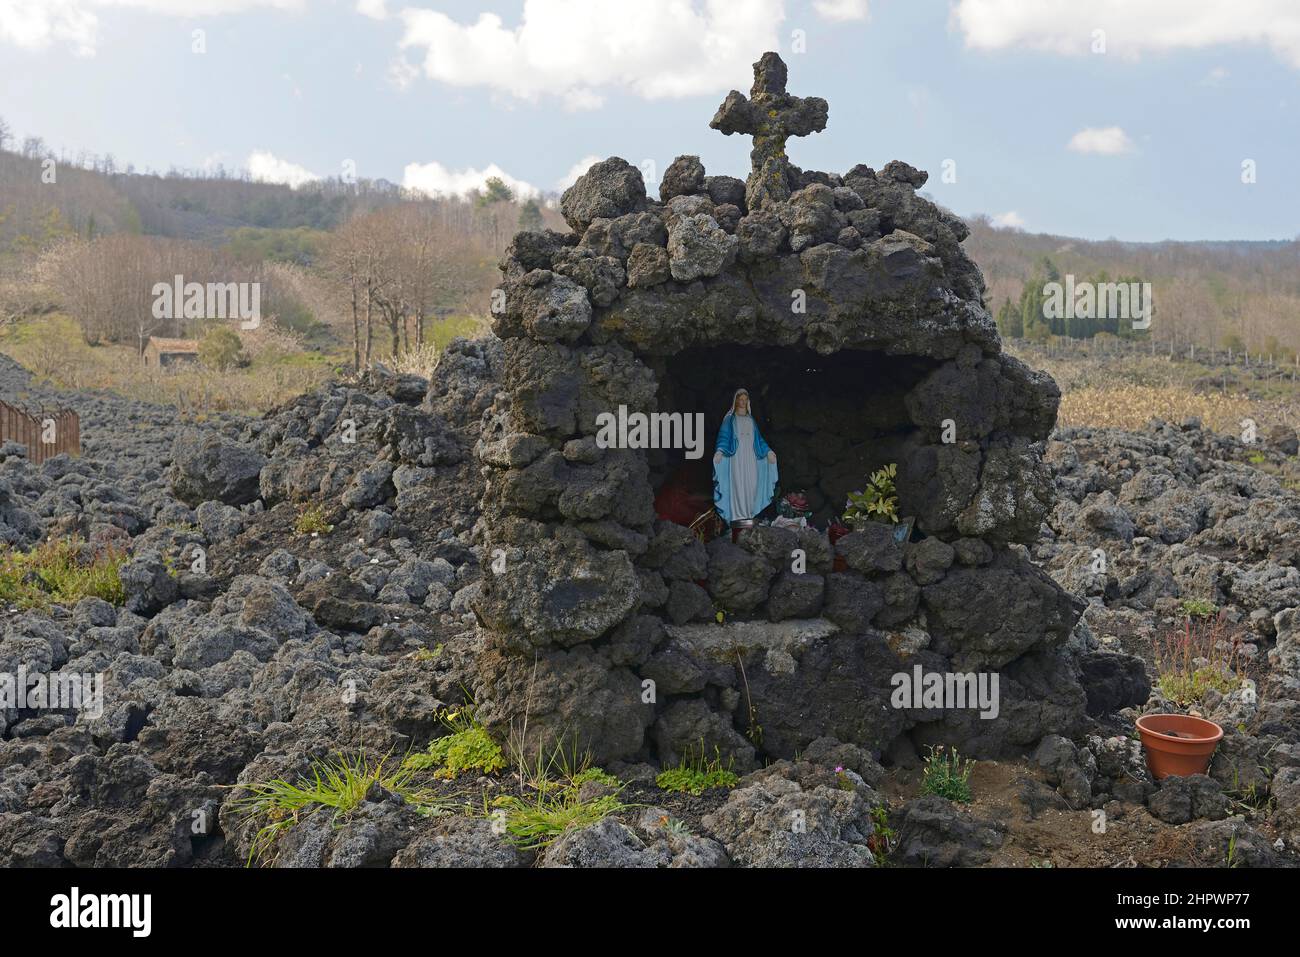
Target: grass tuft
<point x="1201" y="655"/>
<point x="338" y="784"/>
<point x="697" y="775"/>
<point x="61" y="572"/>
<point x="552" y="802"/>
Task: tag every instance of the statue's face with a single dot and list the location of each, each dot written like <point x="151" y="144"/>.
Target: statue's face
<point x="742" y="404"/>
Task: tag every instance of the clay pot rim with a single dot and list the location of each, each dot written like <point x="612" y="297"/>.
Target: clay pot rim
<point x="1161" y="736"/>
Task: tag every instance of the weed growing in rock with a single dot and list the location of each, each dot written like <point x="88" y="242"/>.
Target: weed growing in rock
<point x="1199" y="656"/>
<point x="599" y="775"/>
<point x="556" y="803"/>
<point x="339" y="784"/>
<point x="1250" y="800"/>
<point x="466" y="747"/>
<point x="697" y="775"/>
<point x="947" y="775"/>
<point x="533" y="823"/>
<point x="61" y="572"/>
<point x="1199" y="608"/>
<point x="675" y="826"/>
<point x="881" y="839"/>
<point x="754" y="732"/>
<point x="311" y="521"/>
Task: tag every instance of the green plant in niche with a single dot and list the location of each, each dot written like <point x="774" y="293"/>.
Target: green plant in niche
<point x="881" y="839"/>
<point x="697" y="775"/>
<point x="947" y="775"/>
<point x="467" y="747"/>
<point x="877" y="502"/>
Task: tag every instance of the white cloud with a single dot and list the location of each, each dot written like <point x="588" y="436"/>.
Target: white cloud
<point x="1108" y="141"/>
<point x="576" y="170"/>
<point x="374" y="9"/>
<point x="1131" y="28"/>
<point x="1009" y="220"/>
<point x="37" y="24"/>
<point x="434" y="179"/>
<point x="574" y="49"/>
<point x="268" y="168"/>
<point x="841" y="10"/>
<point x="1215" y="76"/>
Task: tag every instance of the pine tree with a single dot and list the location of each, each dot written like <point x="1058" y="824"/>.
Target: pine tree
<point x="1036" y="325"/>
<point x="1010" y="323"/>
<point x="530" y="216"/>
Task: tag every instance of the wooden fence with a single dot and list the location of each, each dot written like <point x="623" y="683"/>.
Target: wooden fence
<point x="46" y="434"/>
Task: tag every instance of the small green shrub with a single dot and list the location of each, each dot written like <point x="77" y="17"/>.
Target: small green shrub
<point x="1199" y="608"/>
<point x="221" y="349"/>
<point x="466" y="747"/>
<point x="695" y="776"/>
<point x="947" y="775"/>
<point x="312" y="521"/>
<point x="878" y="502"/>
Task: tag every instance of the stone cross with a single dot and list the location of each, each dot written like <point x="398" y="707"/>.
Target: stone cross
<point x="771" y="116"/>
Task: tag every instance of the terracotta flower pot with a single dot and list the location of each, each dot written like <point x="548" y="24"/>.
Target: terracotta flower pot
<point x="1177" y="744"/>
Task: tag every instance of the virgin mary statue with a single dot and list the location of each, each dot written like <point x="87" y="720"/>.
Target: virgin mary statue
<point x="744" y="468"/>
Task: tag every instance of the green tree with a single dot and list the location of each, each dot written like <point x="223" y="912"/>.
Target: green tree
<point x="1010" y="323"/>
<point x="221" y="349"/>
<point x="495" y="190"/>
<point x="530" y="216"/>
<point x="1033" y="322"/>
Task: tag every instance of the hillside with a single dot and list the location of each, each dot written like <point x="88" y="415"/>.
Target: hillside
<point x="358" y="270"/>
<point x="1213" y="294"/>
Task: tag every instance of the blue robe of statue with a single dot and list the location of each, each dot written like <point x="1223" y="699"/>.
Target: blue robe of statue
<point x="763" y="474"/>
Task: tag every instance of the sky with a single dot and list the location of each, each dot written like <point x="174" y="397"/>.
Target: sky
<point x="1140" y="120"/>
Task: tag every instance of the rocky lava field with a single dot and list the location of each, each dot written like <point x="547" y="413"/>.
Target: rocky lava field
<point x="292" y="647"/>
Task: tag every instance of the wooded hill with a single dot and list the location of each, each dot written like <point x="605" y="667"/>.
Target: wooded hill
<point x="1214" y="294"/>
